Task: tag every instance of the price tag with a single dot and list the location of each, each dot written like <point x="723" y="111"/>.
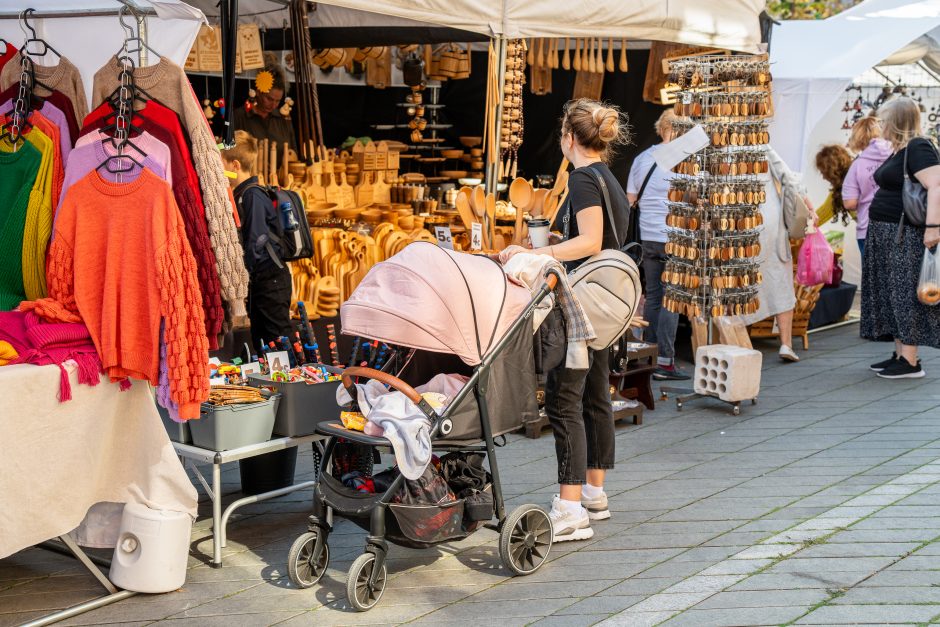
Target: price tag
<point x="476" y="236"/>
<point x="444" y="237"/>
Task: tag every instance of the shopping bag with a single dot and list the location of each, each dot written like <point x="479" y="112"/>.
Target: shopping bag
<point x="928" y="287"/>
<point x="814" y="265"/>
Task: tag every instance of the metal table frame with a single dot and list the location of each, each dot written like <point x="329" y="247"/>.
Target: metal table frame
<point x="192" y="455"/>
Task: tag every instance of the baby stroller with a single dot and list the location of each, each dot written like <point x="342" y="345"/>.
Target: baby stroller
<point x="446" y="305"/>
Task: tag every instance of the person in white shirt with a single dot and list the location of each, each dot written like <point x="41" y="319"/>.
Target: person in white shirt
<point x="650" y="184"/>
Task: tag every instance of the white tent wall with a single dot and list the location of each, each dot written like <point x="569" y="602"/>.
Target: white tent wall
<point x="730" y="24"/>
<point x="88" y="42"/>
<point x="814" y="61"/>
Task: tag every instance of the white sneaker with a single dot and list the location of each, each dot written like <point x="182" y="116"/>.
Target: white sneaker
<point x="567" y="525"/>
<point x="786" y="354"/>
<point x="596" y="507"/>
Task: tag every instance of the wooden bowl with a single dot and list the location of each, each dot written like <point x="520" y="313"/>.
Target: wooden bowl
<point x="347" y="214"/>
<point x="371" y="216"/>
<point x="452" y="154"/>
<point x="406" y="223"/>
<point x="320" y="210"/>
<point x="471" y="142"/>
<point x="454" y="174"/>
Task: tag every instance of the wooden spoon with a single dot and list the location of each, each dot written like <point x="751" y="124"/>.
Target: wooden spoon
<point x="600" y="56"/>
<point x="555" y="62"/>
<point x="538" y="202"/>
<point x="466" y="213"/>
<point x="517" y="234"/>
<point x="530" y="55"/>
<point x="577" y="55"/>
<point x="623" y="55"/>
<point x="540" y="59"/>
<point x="491" y="216"/>
<point x="520" y="193"/>
<point x="478" y="201"/>
<point x="610" y="54"/>
<point x="566" y="58"/>
<point x="589" y="63"/>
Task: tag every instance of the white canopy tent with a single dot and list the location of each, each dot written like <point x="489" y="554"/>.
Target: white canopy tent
<point x="90" y="35"/>
<point x="722" y="23"/>
<point x="814" y="61"/>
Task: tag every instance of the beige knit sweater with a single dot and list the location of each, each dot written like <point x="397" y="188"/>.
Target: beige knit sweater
<point x="166" y="83"/>
<point x="63" y="77"/>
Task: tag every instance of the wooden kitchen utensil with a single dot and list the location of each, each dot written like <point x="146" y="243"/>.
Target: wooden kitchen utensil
<point x="540" y="58"/>
<point x="364" y="191"/>
<point x="538" y="202"/>
<point x="463" y="208"/>
<point x="478" y="201"/>
<point x="592" y="59"/>
<point x="610" y="54"/>
<point x="520" y="193"/>
<point x="349" y="196"/>
<point x="566" y="59"/>
<point x="491" y="217"/>
<point x="623" y="56"/>
<point x="381" y="191"/>
<point x="599" y="64"/>
<point x="577" y="55"/>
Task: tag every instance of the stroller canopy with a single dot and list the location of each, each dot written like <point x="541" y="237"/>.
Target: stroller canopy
<point x="435" y="299"/>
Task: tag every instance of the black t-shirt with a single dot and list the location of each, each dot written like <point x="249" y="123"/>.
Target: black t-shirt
<point x="887" y="206"/>
<point x="584" y="191"/>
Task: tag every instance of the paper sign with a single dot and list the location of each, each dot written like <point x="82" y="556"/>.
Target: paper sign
<point x="278" y="361"/>
<point x="476" y="236"/>
<point x="679" y="149"/>
<point x="444" y="237"/>
<point x="192" y="59"/>
<point x="253" y="367"/>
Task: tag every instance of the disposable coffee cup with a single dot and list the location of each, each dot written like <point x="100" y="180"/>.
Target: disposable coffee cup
<point x="538" y="232"/>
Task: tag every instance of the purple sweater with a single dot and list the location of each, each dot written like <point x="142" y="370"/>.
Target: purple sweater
<point x="860" y="183"/>
<point x="54" y="115"/>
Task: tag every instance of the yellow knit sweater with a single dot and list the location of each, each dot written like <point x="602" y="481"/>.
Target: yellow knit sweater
<point x="38" y="225"/>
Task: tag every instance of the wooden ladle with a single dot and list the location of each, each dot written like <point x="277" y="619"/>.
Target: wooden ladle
<point x="466" y="213"/>
<point x="520" y="193"/>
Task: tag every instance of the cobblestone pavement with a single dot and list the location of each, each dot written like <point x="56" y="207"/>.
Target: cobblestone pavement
<point x="820" y="505"/>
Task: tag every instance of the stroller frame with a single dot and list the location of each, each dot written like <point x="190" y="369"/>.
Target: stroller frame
<point x="525" y="534"/>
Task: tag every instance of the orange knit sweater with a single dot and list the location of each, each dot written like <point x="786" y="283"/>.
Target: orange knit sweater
<point x="121" y="260"/>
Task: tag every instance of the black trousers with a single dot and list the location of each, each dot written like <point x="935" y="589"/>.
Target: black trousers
<point x="269" y="292"/>
<point x="578" y="406"/>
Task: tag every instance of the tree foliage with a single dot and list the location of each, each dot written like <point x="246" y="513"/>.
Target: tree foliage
<point x="803" y="10"/>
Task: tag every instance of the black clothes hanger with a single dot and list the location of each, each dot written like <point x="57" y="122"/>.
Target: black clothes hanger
<point x="33" y="38"/>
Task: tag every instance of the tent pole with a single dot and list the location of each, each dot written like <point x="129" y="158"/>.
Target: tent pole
<point x="229" y="23"/>
<point x="492" y="168"/>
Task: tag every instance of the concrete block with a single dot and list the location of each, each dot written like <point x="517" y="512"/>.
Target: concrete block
<point x="731" y="373"/>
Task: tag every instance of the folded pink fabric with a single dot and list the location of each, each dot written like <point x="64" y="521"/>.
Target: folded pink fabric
<point x="42" y="343"/>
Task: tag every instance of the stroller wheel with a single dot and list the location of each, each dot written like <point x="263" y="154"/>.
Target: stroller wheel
<point x="361" y="595"/>
<point x="303" y="566"/>
<point x="525" y="539"/>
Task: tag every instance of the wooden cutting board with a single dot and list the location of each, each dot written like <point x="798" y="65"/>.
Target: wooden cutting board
<point x="381" y="191"/>
<point x="348" y="195"/>
<point x="365" y="190"/>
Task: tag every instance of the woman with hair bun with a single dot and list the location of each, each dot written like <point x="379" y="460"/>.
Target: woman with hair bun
<point x="578" y="401"/>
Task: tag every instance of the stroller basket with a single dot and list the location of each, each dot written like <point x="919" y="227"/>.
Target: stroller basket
<point x="422" y="526"/>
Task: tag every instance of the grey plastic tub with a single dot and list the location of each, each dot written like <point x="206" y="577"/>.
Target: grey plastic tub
<point x="222" y="428"/>
<point x="303" y="405"/>
<point x="178" y="431"/>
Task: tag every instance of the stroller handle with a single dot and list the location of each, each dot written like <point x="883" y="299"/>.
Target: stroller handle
<point x="381" y="377"/>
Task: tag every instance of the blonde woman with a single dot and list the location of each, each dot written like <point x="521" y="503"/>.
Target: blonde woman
<point x="859" y="187"/>
<point x="578" y="401"/>
<point x="891" y="268"/>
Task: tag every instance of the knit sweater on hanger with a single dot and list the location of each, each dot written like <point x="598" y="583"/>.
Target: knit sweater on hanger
<point x="63" y="77"/>
<point x="18" y="172"/>
<point x="167" y="83"/>
<point x="54" y="115"/>
<point x="37" y="226"/>
<point x="120" y="259"/>
<point x="164" y="125"/>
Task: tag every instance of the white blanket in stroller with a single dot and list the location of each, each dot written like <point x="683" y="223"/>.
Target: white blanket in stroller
<point x="400" y="420"/>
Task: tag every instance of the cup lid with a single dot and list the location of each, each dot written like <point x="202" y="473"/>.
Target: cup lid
<point x="537" y="222"/>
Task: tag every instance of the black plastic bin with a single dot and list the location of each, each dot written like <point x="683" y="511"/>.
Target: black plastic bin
<point x="303" y="406"/>
<point x="267" y="472"/>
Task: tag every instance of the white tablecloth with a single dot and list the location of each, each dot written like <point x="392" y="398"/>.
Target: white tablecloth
<point x="58" y="460"/>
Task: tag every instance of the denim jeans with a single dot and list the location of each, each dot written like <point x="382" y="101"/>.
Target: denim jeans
<point x="578" y="406"/>
<point x="662" y="323"/>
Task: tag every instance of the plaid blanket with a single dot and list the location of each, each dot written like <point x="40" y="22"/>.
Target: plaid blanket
<point x="529" y="270"/>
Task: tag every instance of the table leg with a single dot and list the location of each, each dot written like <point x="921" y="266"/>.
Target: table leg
<point x="216" y="515"/>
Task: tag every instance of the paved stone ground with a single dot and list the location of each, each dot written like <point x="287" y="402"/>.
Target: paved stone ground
<point x="821" y="505"/>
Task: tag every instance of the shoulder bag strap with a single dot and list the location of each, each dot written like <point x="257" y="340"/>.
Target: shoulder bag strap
<point x="649" y="175"/>
<point x="607" y="206"/>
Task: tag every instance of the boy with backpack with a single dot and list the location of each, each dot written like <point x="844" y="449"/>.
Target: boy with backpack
<point x="269" y="285"/>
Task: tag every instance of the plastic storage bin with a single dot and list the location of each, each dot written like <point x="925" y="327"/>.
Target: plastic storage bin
<point x="178" y="431"/>
<point x="222" y="428"/>
<point x="303" y="406"/>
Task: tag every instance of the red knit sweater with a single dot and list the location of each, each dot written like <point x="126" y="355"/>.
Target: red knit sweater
<point x="120" y="259"/>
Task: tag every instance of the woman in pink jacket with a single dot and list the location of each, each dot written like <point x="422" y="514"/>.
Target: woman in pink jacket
<point x="859" y="186"/>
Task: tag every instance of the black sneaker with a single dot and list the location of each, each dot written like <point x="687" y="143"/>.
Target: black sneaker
<point x="881" y="365"/>
<point x="902" y="369"/>
<point x="670" y="373"/>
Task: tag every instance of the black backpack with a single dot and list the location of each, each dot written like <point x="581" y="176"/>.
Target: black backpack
<point x="294" y="244"/>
